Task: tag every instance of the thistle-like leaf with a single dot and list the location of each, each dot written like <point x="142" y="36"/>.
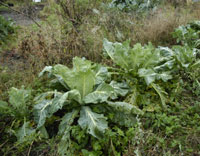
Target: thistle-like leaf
<point x="150" y="75"/>
<point x="120" y="89"/>
<point x="118" y="52"/>
<point x="81" y="64"/>
<point x="45" y="107"/>
<point x="64" y="131"/>
<point x="161" y="93"/>
<point x="126" y="108"/>
<point x="101" y="75"/>
<point x="82" y="81"/>
<point x="18" y="98"/>
<point x="95" y="124"/>
<point x="101" y="94"/>
<point x="25" y="132"/>
<point x="67" y="120"/>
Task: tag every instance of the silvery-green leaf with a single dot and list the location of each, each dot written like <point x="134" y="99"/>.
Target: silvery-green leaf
<point x="95" y="124"/>
<point x="118" y="52"/>
<point x="169" y="64"/>
<point x="46" y="69"/>
<point x="108" y="46"/>
<point x="165" y="76"/>
<point x="25" y="132"/>
<point x="184" y="55"/>
<point x="82" y="81"/>
<point x="70" y="95"/>
<point x="166" y="52"/>
<point x="62" y="73"/>
<point x="148" y="74"/>
<point x="18" y="98"/>
<point x="127" y="120"/>
<point x="64" y="131"/>
<point x="41" y="112"/>
<point x="126" y="108"/>
<point x="80" y="64"/>
<point x="101" y="75"/>
<point x="67" y="120"/>
<point x="120" y="89"/>
<point x="45" y="108"/>
<point x="161" y="93"/>
<point x="101" y="94"/>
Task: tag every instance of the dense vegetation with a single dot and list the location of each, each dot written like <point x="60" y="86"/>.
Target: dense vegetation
<point x="95" y="80"/>
<point x="7" y="30"/>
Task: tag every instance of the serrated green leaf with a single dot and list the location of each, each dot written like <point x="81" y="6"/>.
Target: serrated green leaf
<point x="161" y="93"/>
<point x="150" y="75"/>
<point x="67" y="120"/>
<point x="118" y="52"/>
<point x="64" y="131"/>
<point x="120" y="89"/>
<point x="126" y="108"/>
<point x="24" y="132"/>
<point x="95" y="124"/>
<point x="81" y="64"/>
<point x="101" y="94"/>
<point x="45" y="108"/>
<point x="43" y="132"/>
<point x="46" y="69"/>
<point x="82" y="81"/>
<point x="127" y="120"/>
<point x="101" y="75"/>
<point x="18" y="98"/>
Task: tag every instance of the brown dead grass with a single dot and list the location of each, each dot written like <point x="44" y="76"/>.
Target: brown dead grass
<point x="59" y="43"/>
<point x="158" y="27"/>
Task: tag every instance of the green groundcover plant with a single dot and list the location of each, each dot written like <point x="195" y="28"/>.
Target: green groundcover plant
<point x="7" y="30"/>
<point x="148" y="67"/>
<point x="138" y="6"/>
<point x="188" y="34"/>
<point x="92" y="110"/>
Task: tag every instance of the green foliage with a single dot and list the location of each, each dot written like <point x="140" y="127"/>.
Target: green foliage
<point x="7" y="30"/>
<point x="139" y="63"/>
<point x="146" y="67"/>
<point x="18" y="103"/>
<point x="138" y="6"/>
<point x="147" y="103"/>
<point x="87" y="92"/>
<point x="188" y="34"/>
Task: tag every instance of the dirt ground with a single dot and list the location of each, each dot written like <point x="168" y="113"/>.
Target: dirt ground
<point x="9" y="58"/>
<point x="18" y="18"/>
<point x="22" y="19"/>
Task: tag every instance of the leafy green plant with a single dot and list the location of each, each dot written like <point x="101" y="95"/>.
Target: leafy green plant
<point x="188" y="34"/>
<point x="181" y="57"/>
<point x="86" y="98"/>
<point x="146" y="67"/>
<point x="19" y="100"/>
<point x="135" y="5"/>
<point x="7" y="30"/>
<point x="141" y="66"/>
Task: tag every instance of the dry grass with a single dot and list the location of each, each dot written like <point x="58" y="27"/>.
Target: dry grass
<point x="58" y="41"/>
<point x="158" y="27"/>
